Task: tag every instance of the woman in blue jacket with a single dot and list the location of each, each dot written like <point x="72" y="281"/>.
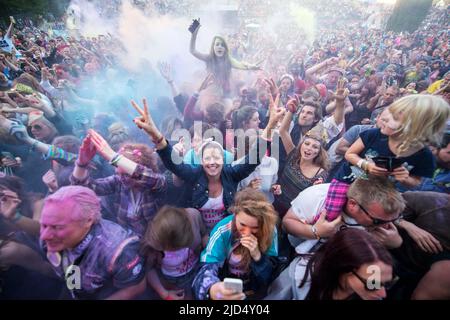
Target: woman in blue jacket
<point x="244" y="246"/>
<point x="212" y="184"/>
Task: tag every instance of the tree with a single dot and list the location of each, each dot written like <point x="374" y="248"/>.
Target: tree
<point x="31" y="8"/>
<point x="408" y="15"/>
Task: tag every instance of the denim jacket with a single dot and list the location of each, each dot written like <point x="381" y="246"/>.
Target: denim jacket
<point x="196" y="179"/>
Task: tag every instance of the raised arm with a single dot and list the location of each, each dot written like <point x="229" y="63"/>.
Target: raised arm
<point x="241" y="65"/>
<point x="145" y="122"/>
<point x="189" y="110"/>
<point x="340" y="97"/>
<point x="310" y="73"/>
<point x="285" y="136"/>
<point x="10" y="28"/>
<point x="192" y="49"/>
<point x="166" y="73"/>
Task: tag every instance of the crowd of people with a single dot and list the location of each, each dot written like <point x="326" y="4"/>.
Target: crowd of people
<point x="311" y="167"/>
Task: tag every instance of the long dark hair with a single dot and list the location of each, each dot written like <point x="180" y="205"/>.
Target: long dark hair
<point x="242" y="115"/>
<point x="345" y="252"/>
<point x="221" y="70"/>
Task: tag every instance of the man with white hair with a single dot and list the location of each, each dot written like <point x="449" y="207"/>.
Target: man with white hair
<point x="98" y="258"/>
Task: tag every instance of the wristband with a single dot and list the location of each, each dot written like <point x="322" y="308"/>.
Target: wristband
<point x="115" y="159"/>
<point x="314" y="231"/>
<point x="365" y="166"/>
<point x="360" y="162"/>
<point x="159" y="140"/>
<point x="79" y="165"/>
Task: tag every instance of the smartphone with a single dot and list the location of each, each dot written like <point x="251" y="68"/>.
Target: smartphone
<point x="236" y="285"/>
<point x="389" y="163"/>
<point x="194" y="25"/>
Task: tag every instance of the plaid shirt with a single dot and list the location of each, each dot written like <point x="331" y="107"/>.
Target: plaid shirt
<point x="336" y="199"/>
<point x="152" y="186"/>
<point x="108" y="258"/>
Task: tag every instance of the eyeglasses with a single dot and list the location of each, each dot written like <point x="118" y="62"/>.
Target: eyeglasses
<point x="371" y="286"/>
<point x="376" y="221"/>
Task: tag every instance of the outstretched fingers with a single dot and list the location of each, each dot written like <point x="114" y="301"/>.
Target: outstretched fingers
<point x="137" y="108"/>
<point x="146" y="113"/>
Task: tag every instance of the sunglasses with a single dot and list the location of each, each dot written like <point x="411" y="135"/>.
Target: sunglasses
<point x="377" y="221"/>
<point x="36" y="127"/>
<point x="370" y="286"/>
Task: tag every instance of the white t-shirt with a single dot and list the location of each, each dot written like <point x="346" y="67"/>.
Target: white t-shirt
<point x="213" y="211"/>
<point x="267" y="171"/>
<point x="6" y="44"/>
<point x="306" y="206"/>
<point x="178" y="263"/>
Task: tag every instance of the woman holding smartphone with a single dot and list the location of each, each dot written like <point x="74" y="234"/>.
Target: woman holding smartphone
<point x="242" y="246"/>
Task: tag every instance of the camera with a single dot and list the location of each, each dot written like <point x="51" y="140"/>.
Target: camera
<point x="389" y="163"/>
<point x="194" y="26"/>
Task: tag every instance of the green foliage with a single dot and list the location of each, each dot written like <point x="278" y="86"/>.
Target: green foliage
<point x="31" y="8"/>
<point x="408" y="14"/>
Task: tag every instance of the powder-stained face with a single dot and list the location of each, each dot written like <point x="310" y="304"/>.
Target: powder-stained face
<point x="310" y="149"/>
<point x="212" y="162"/>
<point x="59" y="230"/>
<point x="41" y="131"/>
<point x="246" y="224"/>
<point x="307" y="116"/>
<point x="219" y="48"/>
<point x="333" y="77"/>
<point x="285" y="84"/>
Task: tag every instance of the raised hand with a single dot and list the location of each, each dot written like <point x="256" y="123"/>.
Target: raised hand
<point x="276" y="189"/>
<point x="145" y="121"/>
<point x="180" y="148"/>
<point x="165" y="70"/>
<point x="293" y="104"/>
<point x="101" y="145"/>
<point x="274" y="90"/>
<point x="19" y="131"/>
<point x="50" y="180"/>
<point x="276" y="112"/>
<point x="87" y="151"/>
<point x="195" y="26"/>
<point x="9" y="201"/>
<point x="341" y="91"/>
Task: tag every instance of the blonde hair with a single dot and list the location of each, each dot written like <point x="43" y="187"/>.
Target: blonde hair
<point x="321" y="159"/>
<point x="423" y="120"/>
<point x="377" y="190"/>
